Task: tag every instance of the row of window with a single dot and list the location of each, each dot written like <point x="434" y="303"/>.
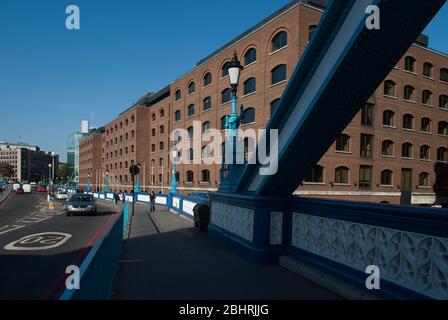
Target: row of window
<point x="121" y="139"/>
<point x="409" y="94"/>
<point x="279" y="41"/>
<point x="410" y="65"/>
<point x="342" y="177"/>
<point x="121" y="125"/>
<point x="119" y="165"/>
<point x="367" y="147"/>
<point x="120" y="152"/>
<point x="408" y="123"/>
<point x="248" y="116"/>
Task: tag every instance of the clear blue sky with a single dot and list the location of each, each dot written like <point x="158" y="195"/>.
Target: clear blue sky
<point x="52" y="78"/>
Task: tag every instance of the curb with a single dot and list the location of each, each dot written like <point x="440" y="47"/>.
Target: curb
<point x="7" y="195"/>
<point x="325" y="280"/>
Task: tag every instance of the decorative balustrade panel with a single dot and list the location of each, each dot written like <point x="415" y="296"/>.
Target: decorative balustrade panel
<point x="239" y="221"/>
<point x="414" y="261"/>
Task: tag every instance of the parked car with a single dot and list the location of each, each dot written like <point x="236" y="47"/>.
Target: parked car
<point x="62" y="195"/>
<point x="41" y="189"/>
<point x="20" y="191"/>
<point x="81" y="204"/>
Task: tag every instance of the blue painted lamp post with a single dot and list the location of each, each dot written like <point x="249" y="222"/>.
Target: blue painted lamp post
<point x="137" y="187"/>
<point x="77" y="181"/>
<point x="174" y="155"/>
<point x="230" y="168"/>
<point x="68" y="183"/>
<point x="107" y="182"/>
<point x="88" y="183"/>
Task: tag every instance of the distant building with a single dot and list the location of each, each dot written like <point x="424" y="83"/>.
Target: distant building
<point x="73" y="141"/>
<point x="91" y="160"/>
<point x="29" y="162"/>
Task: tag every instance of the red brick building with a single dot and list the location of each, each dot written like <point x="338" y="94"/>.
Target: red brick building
<point x="398" y="142"/>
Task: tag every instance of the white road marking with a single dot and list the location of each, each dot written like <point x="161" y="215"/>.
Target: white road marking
<point x="10" y="228"/>
<point x="40" y="241"/>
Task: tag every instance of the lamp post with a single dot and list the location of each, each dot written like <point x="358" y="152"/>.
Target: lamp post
<point x="88" y="183"/>
<point x="174" y="155"/>
<point x="107" y="182"/>
<point x="49" y="176"/>
<point x="230" y="169"/>
<point x="77" y="182"/>
<point x="137" y="188"/>
<point x="68" y="183"/>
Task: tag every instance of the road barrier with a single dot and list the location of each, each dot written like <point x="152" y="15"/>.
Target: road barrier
<point x="98" y="269"/>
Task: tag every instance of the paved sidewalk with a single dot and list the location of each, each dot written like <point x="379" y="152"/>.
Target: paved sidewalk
<point x="163" y="258"/>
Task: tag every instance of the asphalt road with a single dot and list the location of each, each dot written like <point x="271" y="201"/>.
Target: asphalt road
<point x="34" y="268"/>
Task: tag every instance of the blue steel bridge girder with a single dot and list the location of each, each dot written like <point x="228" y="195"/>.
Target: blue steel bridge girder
<point x="340" y="70"/>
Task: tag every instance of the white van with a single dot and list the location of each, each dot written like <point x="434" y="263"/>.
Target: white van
<point x="26" y="188"/>
<point x="16" y="186"/>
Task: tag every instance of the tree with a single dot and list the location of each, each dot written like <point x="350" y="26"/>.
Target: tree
<point x="65" y="171"/>
<point x="6" y="170"/>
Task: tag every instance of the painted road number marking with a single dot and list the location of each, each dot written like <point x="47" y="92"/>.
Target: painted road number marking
<point x="40" y="241"/>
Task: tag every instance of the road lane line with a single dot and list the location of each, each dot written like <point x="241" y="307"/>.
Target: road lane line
<point x="13" y="227"/>
<point x="58" y="287"/>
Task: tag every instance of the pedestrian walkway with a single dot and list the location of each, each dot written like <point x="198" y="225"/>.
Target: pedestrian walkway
<point x="164" y="258"/>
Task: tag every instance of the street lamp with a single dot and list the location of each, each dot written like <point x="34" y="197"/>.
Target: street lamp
<point x="174" y="155"/>
<point x="233" y="121"/>
<point x="107" y="182"/>
<point x="137" y="188"/>
<point x="49" y="175"/>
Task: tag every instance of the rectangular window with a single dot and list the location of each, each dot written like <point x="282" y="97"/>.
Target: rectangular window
<point x="365" y="177"/>
<point x="366" y="146"/>
<point x="367" y="115"/>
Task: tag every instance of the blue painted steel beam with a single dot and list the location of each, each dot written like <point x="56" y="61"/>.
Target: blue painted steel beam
<point x="340" y="70"/>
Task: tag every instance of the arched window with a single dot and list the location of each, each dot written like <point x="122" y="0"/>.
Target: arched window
<point x="409" y="64"/>
<point x="408" y="122"/>
<point x="161" y="145"/>
<point x="162" y="113"/>
<point x="427" y="97"/>
<point x="274" y="105"/>
<point x="389" y="118"/>
<point x="153" y="132"/>
<point x="407" y="150"/>
<point x="426" y="125"/>
<point x="386" y="177"/>
<point x="190" y="176"/>
<point x="248" y="116"/>
<point x="177" y="115"/>
<point x="223" y="122"/>
<point x="442" y="154"/>
<point x="190" y="132"/>
<point x="316" y="175"/>
<point x="387" y="148"/>
<point x="343" y="143"/>
<point x="191" y="87"/>
<point x="178" y="94"/>
<point x="250" y="56"/>
<point x="153" y="117"/>
<point x="205" y="175"/>
<point x="206" y="126"/>
<point x="279" y="41"/>
<point x="225" y="69"/>
<point x="443" y="101"/>
<point x="389" y="88"/>
<point x="207" y="104"/>
<point x="311" y="30"/>
<point x="153" y="148"/>
<point x="428" y="70"/>
<point x="153" y="163"/>
<point x="409" y="93"/>
<point x="207" y="79"/>
<point x="425" y="152"/>
<point x="278" y="74"/>
<point x="190" y="110"/>
<point x="160" y="162"/>
<point x="341" y="175"/>
<point x="423" y="180"/>
<point x="226" y="95"/>
<point x="250" y="86"/>
<point x="160" y="178"/>
<point x="444" y="75"/>
<point x="443" y="128"/>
